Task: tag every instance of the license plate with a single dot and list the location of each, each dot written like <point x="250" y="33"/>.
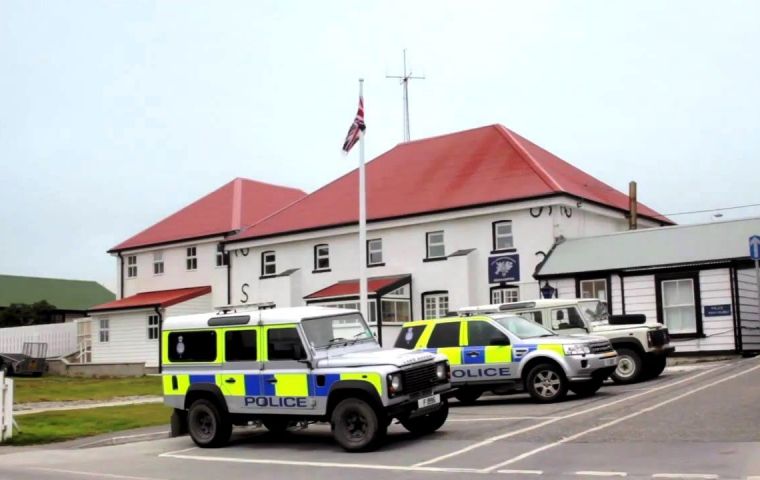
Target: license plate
<point x="428" y="401"/>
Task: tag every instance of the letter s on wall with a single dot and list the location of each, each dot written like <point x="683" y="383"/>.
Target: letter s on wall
<point x="245" y="294"/>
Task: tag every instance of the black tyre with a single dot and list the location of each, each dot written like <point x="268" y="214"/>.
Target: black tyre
<point x="655" y="365"/>
<point x="277" y="426"/>
<point x="546" y="383"/>
<point x="356" y="425"/>
<point x="585" y="389"/>
<point x="468" y="396"/>
<point x="428" y="423"/>
<point x="208" y="426"/>
<point x="630" y="366"/>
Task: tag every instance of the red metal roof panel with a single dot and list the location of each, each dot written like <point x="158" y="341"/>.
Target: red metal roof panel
<point x="161" y="298"/>
<point x="351" y="287"/>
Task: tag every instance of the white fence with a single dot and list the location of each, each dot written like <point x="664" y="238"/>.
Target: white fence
<point x="6" y="408"/>
<point x="60" y="337"/>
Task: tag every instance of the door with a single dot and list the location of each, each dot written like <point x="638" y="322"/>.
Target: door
<point x="286" y="376"/>
<point x="749" y="313"/>
<point x="487" y="353"/>
<point x="445" y="338"/>
<point x="240" y="378"/>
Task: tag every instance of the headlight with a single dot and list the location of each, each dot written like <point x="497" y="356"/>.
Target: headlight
<point x="577" y="349"/>
<point x="441" y="371"/>
<point x="394" y="383"/>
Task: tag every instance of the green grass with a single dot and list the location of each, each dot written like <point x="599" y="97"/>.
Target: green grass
<point x="67" y="425"/>
<point x="59" y="389"/>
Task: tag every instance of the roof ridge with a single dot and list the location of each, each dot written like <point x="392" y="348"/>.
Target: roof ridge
<point x="458" y="132"/>
<point x="550" y="181"/>
<point x="253" y="180"/>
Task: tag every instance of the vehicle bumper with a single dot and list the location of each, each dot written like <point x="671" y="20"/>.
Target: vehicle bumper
<point x="590" y="367"/>
<point x="409" y="407"/>
<point x="665" y="350"/>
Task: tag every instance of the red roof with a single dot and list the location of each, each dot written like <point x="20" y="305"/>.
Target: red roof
<point x="161" y="298"/>
<point x="351" y="287"/>
<point x="238" y="204"/>
<point x="486" y="165"/>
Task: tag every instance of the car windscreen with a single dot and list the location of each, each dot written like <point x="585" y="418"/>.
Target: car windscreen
<point x="324" y="332"/>
<point x="594" y="310"/>
<point x="523" y="328"/>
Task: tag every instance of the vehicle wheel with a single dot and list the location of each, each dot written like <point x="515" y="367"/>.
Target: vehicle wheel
<point x="585" y="389"/>
<point x="277" y="426"/>
<point x="428" y="423"/>
<point x="209" y="428"/>
<point x="629" y="366"/>
<point x="546" y="383"/>
<point x="468" y="396"/>
<point x="356" y="426"/>
<point x="655" y="365"/>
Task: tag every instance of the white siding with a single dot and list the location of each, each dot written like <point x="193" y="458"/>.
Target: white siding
<point x="617" y="295"/>
<point x="748" y="309"/>
<point x="640" y="296"/>
<point x="60" y="337"/>
<point x="715" y="289"/>
<point x="565" y="287"/>
<point x="196" y="305"/>
<point x="128" y="339"/>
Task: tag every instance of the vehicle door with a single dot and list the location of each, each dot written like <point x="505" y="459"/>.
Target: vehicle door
<point x="286" y="374"/>
<point x="567" y="321"/>
<point x="487" y="352"/>
<point x="241" y="373"/>
<point x="445" y="338"/>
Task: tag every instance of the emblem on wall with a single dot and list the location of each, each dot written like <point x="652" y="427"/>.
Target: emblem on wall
<point x="504" y="268"/>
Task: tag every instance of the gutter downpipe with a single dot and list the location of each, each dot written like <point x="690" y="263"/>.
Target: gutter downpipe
<point x="157" y="308"/>
<point x="121" y="275"/>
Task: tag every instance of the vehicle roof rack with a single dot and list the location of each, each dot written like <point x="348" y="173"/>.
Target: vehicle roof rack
<point x="243" y="307"/>
<point x="494" y="308"/>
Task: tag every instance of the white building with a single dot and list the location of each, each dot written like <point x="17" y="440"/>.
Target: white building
<point x="456" y="220"/>
<point x="696" y="279"/>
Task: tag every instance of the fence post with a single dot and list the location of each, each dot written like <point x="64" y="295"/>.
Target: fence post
<point x="6" y="408"/>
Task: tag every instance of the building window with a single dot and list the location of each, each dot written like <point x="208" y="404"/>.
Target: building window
<point x="158" y="263"/>
<point x="395" y="310"/>
<point x="222" y="257"/>
<point x="596" y="288"/>
<point x="435" y="304"/>
<point x="502" y="235"/>
<point x="679" y="312"/>
<point x="375" y="252"/>
<point x="435" y="247"/>
<point x="268" y="265"/>
<point x="104" y="335"/>
<point x="132" y="266"/>
<point x="321" y="258"/>
<point x="505" y="294"/>
<point x="192" y="258"/>
<point x="153" y="327"/>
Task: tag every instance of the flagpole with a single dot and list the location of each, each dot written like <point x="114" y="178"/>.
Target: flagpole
<point x="363" y="227"/>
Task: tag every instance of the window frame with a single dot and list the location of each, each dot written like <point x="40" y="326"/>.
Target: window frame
<point x="495" y="236"/>
<point x="598" y="276"/>
<point x="101" y="330"/>
<point x="370" y="263"/>
<point x="435" y="294"/>
<point x="265" y="264"/>
<point x="222" y="257"/>
<point x="594" y="281"/>
<point x="318" y="257"/>
<point x="470" y="343"/>
<point x="429" y="258"/>
<point x="264" y="355"/>
<point x="504" y="287"/>
<point x="696" y="291"/>
<point x="158" y="262"/>
<point x="191" y="260"/>
<point x="153" y="327"/>
<point x="131" y="266"/>
<point x="440" y="325"/>
<point x="257" y="344"/>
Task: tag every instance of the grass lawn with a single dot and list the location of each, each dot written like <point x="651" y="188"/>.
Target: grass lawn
<point x="54" y="389"/>
<point x="66" y="425"/>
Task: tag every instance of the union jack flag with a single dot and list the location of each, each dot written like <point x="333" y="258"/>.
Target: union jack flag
<point x="357" y="127"/>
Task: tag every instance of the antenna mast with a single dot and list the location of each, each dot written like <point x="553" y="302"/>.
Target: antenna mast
<point x="404" y="80"/>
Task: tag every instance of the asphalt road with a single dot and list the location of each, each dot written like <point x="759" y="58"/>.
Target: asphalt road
<point x="700" y="421"/>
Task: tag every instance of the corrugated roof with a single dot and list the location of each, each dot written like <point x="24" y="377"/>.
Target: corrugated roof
<point x="682" y="244"/>
<point x="64" y="294"/>
<point x="351" y="287"/>
<point x="235" y="205"/>
<point x="482" y="166"/>
<point x="160" y="298"/>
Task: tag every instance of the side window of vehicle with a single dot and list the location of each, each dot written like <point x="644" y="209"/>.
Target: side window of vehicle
<point x="534" y="316"/>
<point x="480" y="333"/>
<point x="240" y="345"/>
<point x="197" y="346"/>
<point x="284" y="344"/>
<point x="409" y="336"/>
<point x="564" y="318"/>
<point x="444" y="335"/>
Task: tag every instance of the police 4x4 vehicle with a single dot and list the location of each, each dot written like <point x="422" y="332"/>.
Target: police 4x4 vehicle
<point x="277" y="367"/>
<point x="504" y="353"/>
<point x="642" y="347"/>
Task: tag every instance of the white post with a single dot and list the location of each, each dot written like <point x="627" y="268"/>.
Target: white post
<point x="757" y="275"/>
<point x="362" y="223"/>
<point x="6" y="408"/>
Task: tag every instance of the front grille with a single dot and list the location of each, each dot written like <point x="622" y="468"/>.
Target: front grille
<point x="601" y="347"/>
<point x="419" y="378"/>
<point x="659" y="337"/>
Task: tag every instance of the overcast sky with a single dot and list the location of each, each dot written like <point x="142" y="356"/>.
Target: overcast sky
<point x="116" y="114"/>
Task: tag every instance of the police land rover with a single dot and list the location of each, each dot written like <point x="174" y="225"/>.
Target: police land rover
<point x="504" y="353"/>
<point x="282" y="367"/>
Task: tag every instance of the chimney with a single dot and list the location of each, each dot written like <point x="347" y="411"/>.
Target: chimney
<point x="633" y="206"/>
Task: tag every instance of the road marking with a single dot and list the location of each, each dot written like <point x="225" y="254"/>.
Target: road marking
<point x="494" y="419"/>
<point x="94" y="474"/>
<point x="522" y="472"/>
<point x="174" y="452"/>
<point x="295" y="463"/>
<point x="592" y="473"/>
<point x="618" y="420"/>
<point x="513" y="433"/>
<point x="705" y="476"/>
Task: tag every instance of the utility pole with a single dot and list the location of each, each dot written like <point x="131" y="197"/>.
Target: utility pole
<point x="404" y="81"/>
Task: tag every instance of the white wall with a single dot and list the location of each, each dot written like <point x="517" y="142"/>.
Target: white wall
<point x="748" y="309"/>
<point x="175" y="273"/>
<point x="640" y="296"/>
<point x="617" y="295"/>
<point x="60" y="337"/>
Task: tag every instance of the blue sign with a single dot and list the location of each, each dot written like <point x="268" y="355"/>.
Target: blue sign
<point x="754" y="247"/>
<point x="504" y="268"/>
<point x="718" y="310"/>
